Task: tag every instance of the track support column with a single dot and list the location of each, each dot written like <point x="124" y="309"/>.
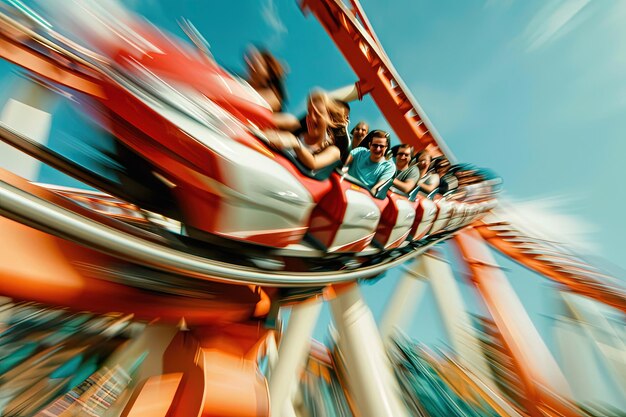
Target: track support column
<point x="544" y="382"/>
<point x="292" y="354"/>
<point x="370" y="377"/>
<point x="405" y="299"/>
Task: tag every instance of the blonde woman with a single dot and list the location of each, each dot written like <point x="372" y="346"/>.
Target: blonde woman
<point x="315" y="148"/>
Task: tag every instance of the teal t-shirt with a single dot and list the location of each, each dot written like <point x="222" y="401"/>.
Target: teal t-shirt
<point x="370" y="173"/>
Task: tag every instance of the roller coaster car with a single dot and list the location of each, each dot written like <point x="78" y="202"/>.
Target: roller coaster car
<point x="198" y="129"/>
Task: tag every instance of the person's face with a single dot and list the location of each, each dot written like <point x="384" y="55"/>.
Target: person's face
<point x="423" y="162"/>
<point x="316" y="118"/>
<point x="403" y="157"/>
<point x="360" y="131"/>
<point x="378" y="147"/>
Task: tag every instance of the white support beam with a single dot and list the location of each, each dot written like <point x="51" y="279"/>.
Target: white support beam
<point x="370" y="377"/>
<point x="598" y="329"/>
<point x="459" y="328"/>
<point x="403" y="304"/>
<point x="293" y="350"/>
<point x="589" y="385"/>
<point x="28" y="113"/>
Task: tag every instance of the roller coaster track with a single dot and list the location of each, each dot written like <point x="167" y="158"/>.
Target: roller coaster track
<point x="24" y="207"/>
<point x="553" y="261"/>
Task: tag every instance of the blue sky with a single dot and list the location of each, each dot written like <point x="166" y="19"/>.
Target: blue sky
<point x="533" y="89"/>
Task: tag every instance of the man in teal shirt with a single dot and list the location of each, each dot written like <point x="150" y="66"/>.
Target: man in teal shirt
<point x="369" y="165"/>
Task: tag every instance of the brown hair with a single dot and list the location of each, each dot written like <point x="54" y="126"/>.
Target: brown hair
<point x="406" y="145"/>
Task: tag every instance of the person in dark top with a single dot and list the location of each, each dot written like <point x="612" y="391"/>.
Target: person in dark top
<point x="340" y="133"/>
<point x="447" y="180"/>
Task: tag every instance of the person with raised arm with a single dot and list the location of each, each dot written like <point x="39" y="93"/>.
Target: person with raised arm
<point x="315" y="148"/>
<point x="265" y="74"/>
<point x="359" y="131"/>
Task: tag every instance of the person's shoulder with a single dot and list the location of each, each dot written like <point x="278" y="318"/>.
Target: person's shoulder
<point x="358" y="151"/>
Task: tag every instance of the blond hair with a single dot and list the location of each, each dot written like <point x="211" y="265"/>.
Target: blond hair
<point x="335" y="112"/>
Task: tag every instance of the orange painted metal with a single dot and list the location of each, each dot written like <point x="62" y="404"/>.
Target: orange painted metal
<point x="156" y="397"/>
<point x="35" y="266"/>
<point x="56" y="69"/>
<point x="572" y="272"/>
<point x="495" y="291"/>
<point x="221" y="372"/>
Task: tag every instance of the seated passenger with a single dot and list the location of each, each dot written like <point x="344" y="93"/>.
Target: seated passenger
<point x="266" y="76"/>
<point x="315" y="149"/>
<point x="447" y="180"/>
<point x="358" y="133"/>
<point x="370" y="166"/>
<point x="340" y="133"/>
<point x="339" y="114"/>
<point x="406" y="176"/>
<point x="429" y="180"/>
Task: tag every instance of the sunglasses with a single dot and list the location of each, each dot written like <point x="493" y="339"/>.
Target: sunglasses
<point x="376" y="145"/>
<point x="408" y="155"/>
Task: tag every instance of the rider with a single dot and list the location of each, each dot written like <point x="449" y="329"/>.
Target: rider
<point x="429" y="180"/>
<point x="316" y="147"/>
<point x="266" y="75"/>
<point x="358" y="133"/>
<point x="407" y="175"/>
<point x="370" y="165"/>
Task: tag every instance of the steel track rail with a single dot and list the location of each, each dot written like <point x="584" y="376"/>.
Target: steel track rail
<point x="36" y="212"/>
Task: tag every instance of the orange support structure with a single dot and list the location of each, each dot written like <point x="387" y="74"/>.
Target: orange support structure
<point x="555" y="263"/>
<point x="53" y="68"/>
<point x="350" y="31"/>
<point x="546" y="388"/>
<point x="221" y="374"/>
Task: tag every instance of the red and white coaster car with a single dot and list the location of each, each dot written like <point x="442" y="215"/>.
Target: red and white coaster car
<point x="425" y="214"/>
<point x="444" y="214"/>
<point x="396" y="221"/>
<point x="345" y="220"/>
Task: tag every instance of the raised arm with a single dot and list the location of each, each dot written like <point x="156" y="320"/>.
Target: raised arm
<point x="320" y="160"/>
<point x="285" y="140"/>
<point x="286" y="121"/>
